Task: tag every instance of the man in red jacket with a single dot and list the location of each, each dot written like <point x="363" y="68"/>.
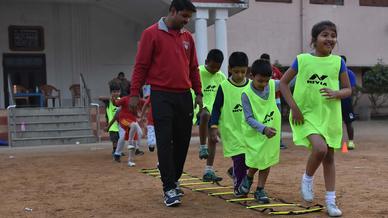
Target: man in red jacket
<point x="166" y="59"/>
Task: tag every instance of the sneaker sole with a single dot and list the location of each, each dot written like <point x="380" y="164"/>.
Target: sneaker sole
<point x="172" y="204"/>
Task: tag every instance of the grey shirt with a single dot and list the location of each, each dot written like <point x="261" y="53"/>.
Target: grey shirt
<point x="249" y="117"/>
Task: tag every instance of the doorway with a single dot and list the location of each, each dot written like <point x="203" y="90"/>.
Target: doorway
<point x="27" y="70"/>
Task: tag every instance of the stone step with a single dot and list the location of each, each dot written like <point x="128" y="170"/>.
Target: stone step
<point x="31" y="126"/>
<point x="52" y="133"/>
<point x="84" y="139"/>
<point x="45" y="111"/>
<point x="50" y="118"/>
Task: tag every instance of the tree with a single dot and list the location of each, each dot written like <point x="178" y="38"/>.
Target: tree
<point x="376" y="84"/>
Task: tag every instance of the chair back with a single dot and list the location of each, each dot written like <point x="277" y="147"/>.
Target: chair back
<point x="75" y="90"/>
<point x="19" y="89"/>
<point x="48" y="91"/>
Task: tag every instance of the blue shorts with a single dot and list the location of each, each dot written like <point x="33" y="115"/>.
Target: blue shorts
<point x="347" y="110"/>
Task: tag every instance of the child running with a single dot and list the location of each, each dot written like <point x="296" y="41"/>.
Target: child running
<point x="211" y="77"/>
<point x="227" y="115"/>
<point x="147" y="110"/>
<point x="315" y="116"/>
<point x="112" y="125"/>
<point x="261" y="128"/>
<point x="127" y="122"/>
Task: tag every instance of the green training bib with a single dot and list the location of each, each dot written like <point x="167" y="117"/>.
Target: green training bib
<point x="321" y="116"/>
<point x="262" y="152"/>
<point x="210" y="83"/>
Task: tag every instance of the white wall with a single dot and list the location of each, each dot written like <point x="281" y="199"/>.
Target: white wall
<point x="275" y="28"/>
<point x="79" y="38"/>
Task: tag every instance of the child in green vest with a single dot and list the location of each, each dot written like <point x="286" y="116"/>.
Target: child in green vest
<point x="227" y="115"/>
<point x="315" y="116"/>
<point x="112" y="125"/>
<point x="261" y="128"/>
<point x="211" y="77"/>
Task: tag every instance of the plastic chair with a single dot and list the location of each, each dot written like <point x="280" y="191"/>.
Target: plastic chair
<point x="75" y="90"/>
<point x="20" y="89"/>
<point x="50" y="92"/>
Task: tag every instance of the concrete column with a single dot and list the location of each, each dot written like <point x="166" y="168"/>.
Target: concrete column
<point x="221" y="15"/>
<point x="201" y="18"/>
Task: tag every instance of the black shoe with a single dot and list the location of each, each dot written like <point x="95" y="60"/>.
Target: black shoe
<point x="122" y="154"/>
<point x="229" y="172"/>
<point x="151" y="148"/>
<point x="210" y="176"/>
<point x="117" y="158"/>
<point x="179" y="192"/>
<point x="283" y="146"/>
<point x="171" y="198"/>
<point x="138" y="152"/>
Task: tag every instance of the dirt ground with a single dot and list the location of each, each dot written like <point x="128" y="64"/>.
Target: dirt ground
<point x="83" y="181"/>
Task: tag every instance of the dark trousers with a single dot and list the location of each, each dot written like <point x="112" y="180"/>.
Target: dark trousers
<point x="239" y="169"/>
<point x="173" y="120"/>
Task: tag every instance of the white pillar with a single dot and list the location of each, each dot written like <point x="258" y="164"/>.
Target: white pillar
<point x="221" y="16"/>
<point x="201" y="17"/>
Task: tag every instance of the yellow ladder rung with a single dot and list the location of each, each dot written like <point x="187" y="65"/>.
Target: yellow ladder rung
<point x="183" y="174"/>
<point x="212" y="188"/>
<point x="296" y="211"/>
<point x="149" y="170"/>
<point x="189" y="179"/>
<point x="240" y="199"/>
<point x="195" y="183"/>
<point x="271" y="205"/>
<point x="220" y="193"/>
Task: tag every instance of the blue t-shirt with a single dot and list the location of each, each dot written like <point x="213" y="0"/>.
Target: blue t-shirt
<point x="352" y="78"/>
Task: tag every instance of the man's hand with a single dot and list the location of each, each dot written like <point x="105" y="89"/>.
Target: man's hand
<point x="133" y="102"/>
<point x="214" y="135"/>
<point x="269" y="132"/>
<point x="198" y="101"/>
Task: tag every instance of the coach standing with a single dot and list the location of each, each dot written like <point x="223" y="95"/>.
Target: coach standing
<point x="166" y="59"/>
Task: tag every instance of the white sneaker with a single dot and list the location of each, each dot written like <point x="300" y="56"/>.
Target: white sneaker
<point x="306" y="190"/>
<point x="131" y="164"/>
<point x="333" y="210"/>
<point x="131" y="147"/>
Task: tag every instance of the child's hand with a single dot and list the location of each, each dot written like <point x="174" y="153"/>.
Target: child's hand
<point x="329" y="94"/>
<point x="214" y="135"/>
<point x="297" y="117"/>
<point x="269" y="132"/>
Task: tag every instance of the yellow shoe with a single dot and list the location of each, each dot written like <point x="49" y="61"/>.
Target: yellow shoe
<point x="351" y="145"/>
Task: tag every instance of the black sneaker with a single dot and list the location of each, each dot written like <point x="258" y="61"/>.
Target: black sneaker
<point x="245" y="185"/>
<point x="210" y="176"/>
<point x="261" y="196"/>
<point x="179" y="192"/>
<point x="116" y="157"/>
<point x="151" y="148"/>
<point x="283" y="146"/>
<point x="138" y="152"/>
<point x="229" y="172"/>
<point x="171" y="198"/>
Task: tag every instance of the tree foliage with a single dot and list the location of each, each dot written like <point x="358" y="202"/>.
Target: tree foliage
<point x="376" y="84"/>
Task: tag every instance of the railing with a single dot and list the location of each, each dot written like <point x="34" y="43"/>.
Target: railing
<point x="10" y="92"/>
<point x="85" y="98"/>
<point x="9" y="114"/>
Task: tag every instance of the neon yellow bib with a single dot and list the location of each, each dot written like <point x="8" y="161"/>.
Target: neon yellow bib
<point x="321" y="116"/>
<point x="262" y="152"/>
<point x="231" y="118"/>
<point x="110" y="111"/>
<point x="210" y="83"/>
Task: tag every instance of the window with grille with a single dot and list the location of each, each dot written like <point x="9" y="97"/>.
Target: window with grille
<point x="327" y="2"/>
<point x="375" y="3"/>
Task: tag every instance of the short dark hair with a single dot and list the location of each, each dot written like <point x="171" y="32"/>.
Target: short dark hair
<point x="114" y="85"/>
<point x="319" y="27"/>
<point x="121" y="74"/>
<point x="262" y="67"/>
<point x="181" y="5"/>
<point x="238" y="59"/>
<point x="343" y="58"/>
<point x="265" y="56"/>
<point x="215" y="55"/>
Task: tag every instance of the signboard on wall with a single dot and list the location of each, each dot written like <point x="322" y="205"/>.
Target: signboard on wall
<point x="26" y="38"/>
